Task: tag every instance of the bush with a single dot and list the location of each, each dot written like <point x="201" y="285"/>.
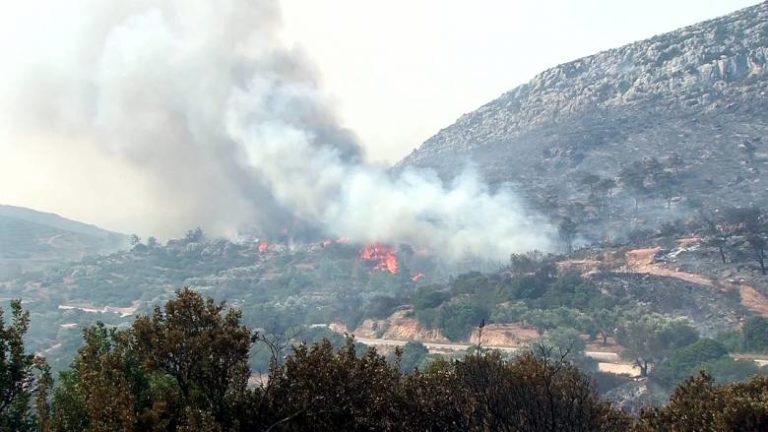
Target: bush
<point x="380" y="307"/>
<point x="699" y="405"/>
<point x="413" y="356"/>
<point x="686" y="361"/>
<point x="755" y="333"/>
<point x="457" y="319"/>
<point x="726" y="370"/>
<point x="484" y="392"/>
<point x="428" y="298"/>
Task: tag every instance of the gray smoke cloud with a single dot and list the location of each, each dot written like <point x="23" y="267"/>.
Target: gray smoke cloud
<point x="232" y="129"/>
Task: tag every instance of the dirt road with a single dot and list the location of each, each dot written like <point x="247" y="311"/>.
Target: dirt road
<point x="607" y="361"/>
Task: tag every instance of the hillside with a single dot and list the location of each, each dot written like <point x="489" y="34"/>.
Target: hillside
<point x="390" y="295"/>
<point x="670" y="122"/>
<point x="31" y="240"/>
<point x="279" y="287"/>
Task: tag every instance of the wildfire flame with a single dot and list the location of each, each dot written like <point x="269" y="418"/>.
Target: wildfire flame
<point x="384" y="257"/>
<point x="263" y="246"/>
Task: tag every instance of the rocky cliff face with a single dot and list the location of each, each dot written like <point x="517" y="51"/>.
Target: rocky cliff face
<point x="695" y="96"/>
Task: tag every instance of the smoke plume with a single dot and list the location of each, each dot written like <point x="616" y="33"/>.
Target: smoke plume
<point x="232" y="130"/>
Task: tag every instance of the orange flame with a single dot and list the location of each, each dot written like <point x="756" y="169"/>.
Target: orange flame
<point x="384" y="257"/>
<point x="263" y="246"/>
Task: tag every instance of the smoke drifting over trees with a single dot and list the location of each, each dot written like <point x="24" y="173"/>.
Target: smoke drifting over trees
<point x="232" y="130"/>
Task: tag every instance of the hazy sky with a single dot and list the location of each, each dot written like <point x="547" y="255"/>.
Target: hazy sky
<point x="397" y="71"/>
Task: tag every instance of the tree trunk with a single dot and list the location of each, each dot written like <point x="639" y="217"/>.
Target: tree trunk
<point x="643" y="365"/>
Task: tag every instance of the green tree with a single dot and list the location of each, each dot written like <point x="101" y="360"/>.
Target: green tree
<point x="20" y="373"/>
<point x="194" y="236"/>
<point x="651" y="337"/>
<point x="182" y="368"/>
<point x="686" y="361"/>
<point x="543" y="320"/>
<point x="632" y="178"/>
<point x="699" y="405"/>
<point x="202" y="346"/>
<point x="104" y="388"/>
<point x="726" y="370"/>
<point x="758" y="243"/>
<point x="486" y="393"/>
<point x="458" y="318"/>
<point x="412" y="356"/>
<point x="752" y="223"/>
<point x="321" y="389"/>
<point x="567" y="231"/>
<point x="606" y="321"/>
<point x="717" y="236"/>
<point x="667" y="186"/>
<point x="565" y="343"/>
<point x="524" y="264"/>
<point x="565" y="339"/>
<point x="755" y="333"/>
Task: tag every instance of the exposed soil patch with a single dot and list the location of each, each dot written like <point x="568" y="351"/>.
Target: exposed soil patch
<point x="399" y="326"/>
<point x="644" y="261"/>
<point x="610" y="346"/>
<point x="619" y="369"/>
<point x="585" y="267"/>
<point x="753" y="300"/>
<point x="506" y="335"/>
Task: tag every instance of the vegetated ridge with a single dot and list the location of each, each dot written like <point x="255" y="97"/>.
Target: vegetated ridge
<point x="31" y="240"/>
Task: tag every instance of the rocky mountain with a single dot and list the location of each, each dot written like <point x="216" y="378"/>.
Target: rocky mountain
<point x="686" y="111"/>
<point x="31" y="240"/>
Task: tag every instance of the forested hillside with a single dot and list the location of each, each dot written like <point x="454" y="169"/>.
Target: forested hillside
<point x="689" y="296"/>
<point x="183" y="367"/>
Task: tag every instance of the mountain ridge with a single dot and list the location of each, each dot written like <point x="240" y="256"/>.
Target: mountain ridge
<point x="32" y="240"/>
<point x="694" y="95"/>
<point x="713" y="68"/>
<point x="53" y="220"/>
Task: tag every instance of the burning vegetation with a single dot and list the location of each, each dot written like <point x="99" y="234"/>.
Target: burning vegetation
<point x="383" y="256"/>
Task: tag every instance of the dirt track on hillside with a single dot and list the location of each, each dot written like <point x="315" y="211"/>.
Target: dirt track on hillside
<point x="644" y="261"/>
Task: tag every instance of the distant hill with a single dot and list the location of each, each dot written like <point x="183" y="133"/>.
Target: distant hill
<point x="31" y="240"/>
<point x="684" y="113"/>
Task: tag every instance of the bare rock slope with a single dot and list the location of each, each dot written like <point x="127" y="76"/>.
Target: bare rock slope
<point x="694" y="99"/>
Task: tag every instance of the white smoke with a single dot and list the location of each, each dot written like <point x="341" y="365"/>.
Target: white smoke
<point x="231" y="127"/>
